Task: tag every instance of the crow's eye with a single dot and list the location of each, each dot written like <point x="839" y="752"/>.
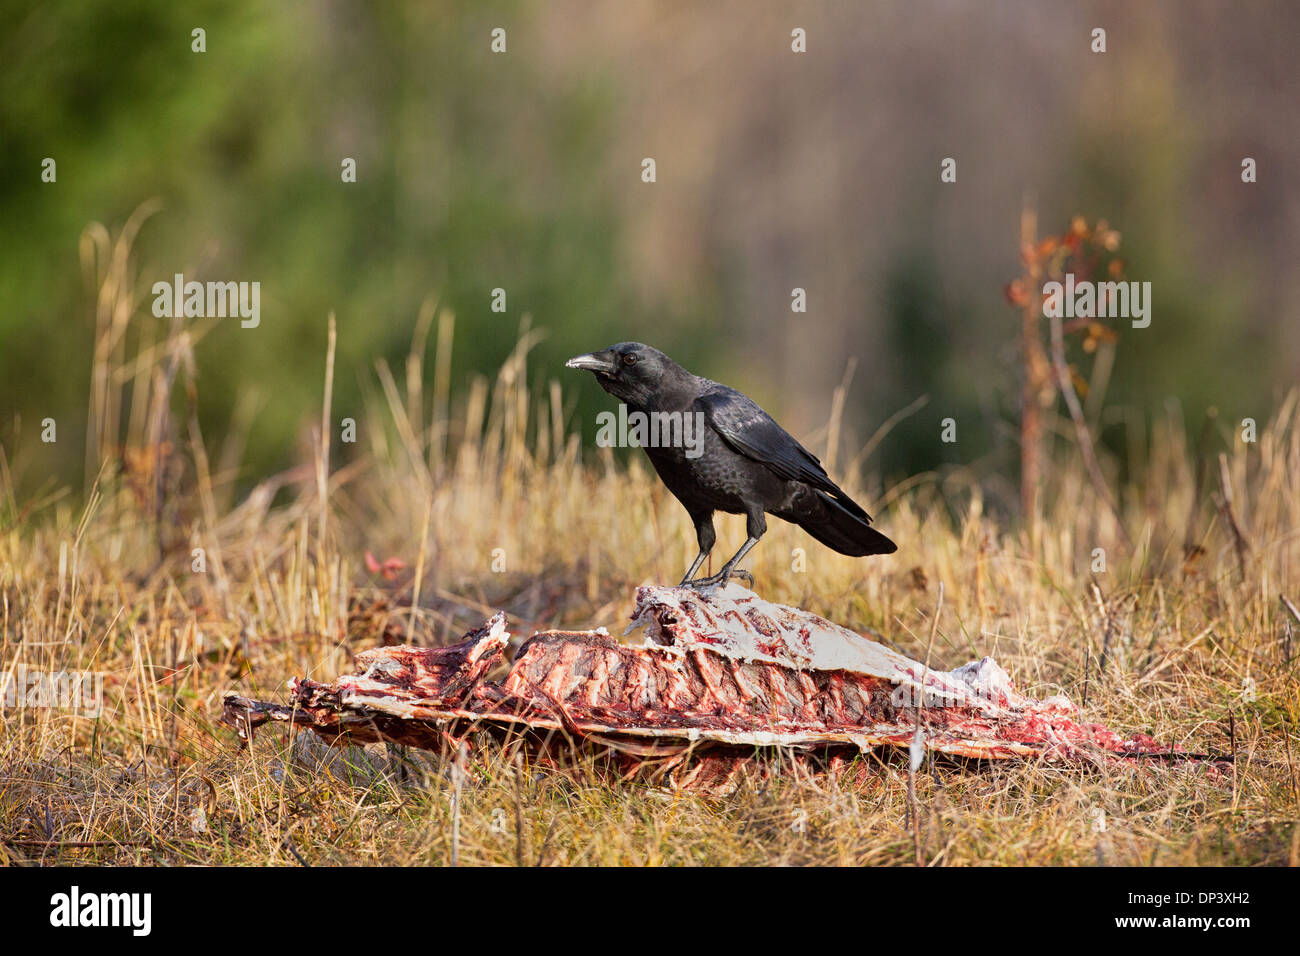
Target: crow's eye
<point x="629" y="359"/>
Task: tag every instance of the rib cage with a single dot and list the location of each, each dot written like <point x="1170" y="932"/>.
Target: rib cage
<point x="719" y="677"/>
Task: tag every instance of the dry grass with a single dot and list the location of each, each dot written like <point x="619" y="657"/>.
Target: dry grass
<point x="1199" y="652"/>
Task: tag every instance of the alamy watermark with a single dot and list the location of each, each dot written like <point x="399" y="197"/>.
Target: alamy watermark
<point x="1098" y="300"/>
<point x="133" y="911"/>
<point x="215" y="300"/>
<point x="914" y="697"/>
<point x="651" y="430"/>
<point x="81" y="692"/>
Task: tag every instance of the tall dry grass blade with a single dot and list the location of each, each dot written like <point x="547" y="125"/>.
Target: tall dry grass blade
<point x="323" y="457"/>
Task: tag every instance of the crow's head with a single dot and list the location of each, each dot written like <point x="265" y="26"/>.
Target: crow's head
<point x="633" y="372"/>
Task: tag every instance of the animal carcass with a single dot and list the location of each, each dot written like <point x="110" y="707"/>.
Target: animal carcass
<point x="721" y="679"/>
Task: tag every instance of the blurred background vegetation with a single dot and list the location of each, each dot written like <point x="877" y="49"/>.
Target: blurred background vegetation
<point x="522" y="171"/>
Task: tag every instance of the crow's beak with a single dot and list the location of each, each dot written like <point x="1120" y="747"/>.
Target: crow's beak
<point x="599" y="362"/>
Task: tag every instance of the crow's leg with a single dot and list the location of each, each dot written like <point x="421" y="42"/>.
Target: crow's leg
<point x="728" y="570"/>
<point x="695" y="566"/>
<point x="705" y="535"/>
<point x="756" y="526"/>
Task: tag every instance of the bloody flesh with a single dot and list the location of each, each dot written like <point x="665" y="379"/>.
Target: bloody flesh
<point x="720" y="677"/>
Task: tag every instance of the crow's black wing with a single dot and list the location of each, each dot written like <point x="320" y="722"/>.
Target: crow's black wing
<point x="755" y="434"/>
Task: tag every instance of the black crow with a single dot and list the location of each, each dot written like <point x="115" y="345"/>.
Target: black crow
<point x="724" y="453"/>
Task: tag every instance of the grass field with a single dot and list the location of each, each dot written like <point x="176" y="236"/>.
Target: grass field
<point x="490" y="503"/>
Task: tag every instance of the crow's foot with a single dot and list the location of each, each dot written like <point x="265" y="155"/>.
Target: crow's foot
<point x="720" y="578"/>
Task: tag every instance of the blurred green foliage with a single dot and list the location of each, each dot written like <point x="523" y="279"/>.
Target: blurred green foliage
<point x="477" y="172"/>
<point x="244" y="144"/>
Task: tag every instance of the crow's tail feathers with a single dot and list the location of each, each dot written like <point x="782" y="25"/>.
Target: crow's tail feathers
<point x="841" y="528"/>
